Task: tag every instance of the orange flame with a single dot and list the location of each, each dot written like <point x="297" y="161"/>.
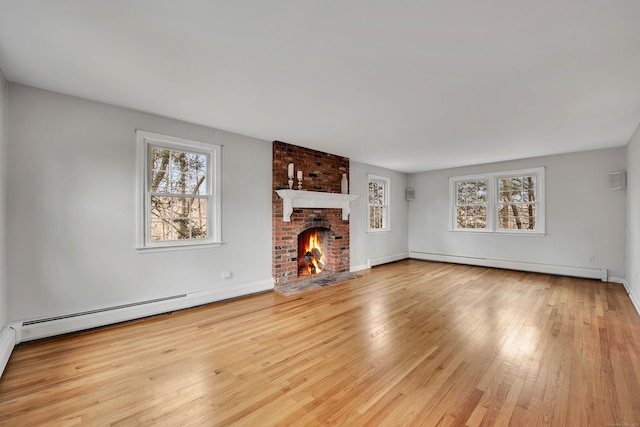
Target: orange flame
<point x="312" y="244"/>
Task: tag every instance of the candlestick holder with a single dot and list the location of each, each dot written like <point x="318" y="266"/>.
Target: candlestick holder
<point x="299" y="183"/>
<point x="290" y="183"/>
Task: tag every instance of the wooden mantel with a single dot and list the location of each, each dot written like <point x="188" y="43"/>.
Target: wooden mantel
<point x="314" y="199"/>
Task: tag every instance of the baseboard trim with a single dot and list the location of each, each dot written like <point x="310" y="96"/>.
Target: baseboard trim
<point x="634" y="299"/>
<point x="372" y="262"/>
<point x="7" y="343"/>
<point x="589" y="273"/>
<point x="358" y="268"/>
<point x="36" y="329"/>
<point x="614" y="279"/>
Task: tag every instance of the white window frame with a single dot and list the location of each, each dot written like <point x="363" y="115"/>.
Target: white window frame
<point x="453" y="181"/>
<point x="147" y="140"/>
<point x="492" y="201"/>
<point x="386" y="208"/>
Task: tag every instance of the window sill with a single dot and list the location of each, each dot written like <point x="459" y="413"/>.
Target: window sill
<point x="501" y="233"/>
<point x="182" y="247"/>
<point x="378" y="231"/>
<point x="521" y="233"/>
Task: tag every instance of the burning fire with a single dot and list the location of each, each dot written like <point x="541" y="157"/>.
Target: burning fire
<point x="313" y="260"/>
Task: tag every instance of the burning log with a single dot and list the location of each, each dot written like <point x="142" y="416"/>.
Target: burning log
<point x="307" y="264"/>
<point x="317" y="256"/>
<point x="312" y="262"/>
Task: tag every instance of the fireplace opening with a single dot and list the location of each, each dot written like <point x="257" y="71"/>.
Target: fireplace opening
<point x="312" y="250"/>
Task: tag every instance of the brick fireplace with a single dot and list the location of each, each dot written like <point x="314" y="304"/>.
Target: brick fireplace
<point x="322" y="172"/>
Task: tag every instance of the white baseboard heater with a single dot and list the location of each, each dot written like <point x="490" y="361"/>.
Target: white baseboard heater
<point x="590" y="273"/>
<point x="56" y="325"/>
<point x="7" y="342"/>
<point x="100" y="310"/>
<point x="63" y="324"/>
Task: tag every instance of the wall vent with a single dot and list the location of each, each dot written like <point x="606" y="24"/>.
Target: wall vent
<point x="617" y="180"/>
<point x="410" y="194"/>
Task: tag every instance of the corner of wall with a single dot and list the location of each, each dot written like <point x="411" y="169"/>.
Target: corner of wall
<point x="634" y="299"/>
<point x="632" y="232"/>
<point x="4" y="118"/>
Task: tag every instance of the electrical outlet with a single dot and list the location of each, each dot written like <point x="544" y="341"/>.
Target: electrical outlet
<point x="226" y="274"/>
<point x="592" y="260"/>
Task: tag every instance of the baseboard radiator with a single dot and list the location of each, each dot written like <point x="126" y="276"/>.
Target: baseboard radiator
<point x="372" y="262"/>
<point x="589" y="273"/>
<point x="46" y="327"/>
<point x="100" y="310"/>
<point x="56" y="325"/>
<point x="8" y="340"/>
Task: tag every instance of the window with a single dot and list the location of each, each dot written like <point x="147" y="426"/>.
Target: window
<point x="378" y="203"/>
<point x="180" y="189"/>
<point x="471" y="204"/>
<point x="509" y="202"/>
<point x="517" y="202"/>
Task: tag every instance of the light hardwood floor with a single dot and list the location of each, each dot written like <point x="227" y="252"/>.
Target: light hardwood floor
<point x="409" y="343"/>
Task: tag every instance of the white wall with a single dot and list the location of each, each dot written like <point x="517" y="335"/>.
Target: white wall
<point x="3" y="186"/>
<point x="584" y="218"/>
<point x="381" y="247"/>
<point x="633" y="213"/>
<point x="71" y="209"/>
<point x="70" y="204"/>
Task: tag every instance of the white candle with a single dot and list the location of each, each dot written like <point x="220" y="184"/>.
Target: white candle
<point x="290" y="170"/>
<point x="299" y="174"/>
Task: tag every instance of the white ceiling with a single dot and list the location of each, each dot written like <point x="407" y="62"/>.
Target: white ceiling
<point x="407" y="85"/>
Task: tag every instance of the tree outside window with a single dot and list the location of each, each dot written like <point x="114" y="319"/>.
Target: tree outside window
<point x="471" y="204"/>
<point x="378" y="203"/>
<point x="517" y="203"/>
<point x="179" y="195"/>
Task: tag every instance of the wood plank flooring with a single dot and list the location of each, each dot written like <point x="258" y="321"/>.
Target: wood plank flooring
<point x="409" y="343"/>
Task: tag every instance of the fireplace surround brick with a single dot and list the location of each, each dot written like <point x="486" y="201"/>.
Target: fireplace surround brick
<point x="321" y="172"/>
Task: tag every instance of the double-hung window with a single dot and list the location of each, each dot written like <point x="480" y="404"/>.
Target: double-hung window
<point x="508" y="202"/>
<point x="518" y="202"/>
<point x="471" y="203"/>
<point x="378" y="203"/>
<point x="180" y="192"/>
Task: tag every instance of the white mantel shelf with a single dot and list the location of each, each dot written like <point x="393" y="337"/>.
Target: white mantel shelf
<point x="314" y="199"/>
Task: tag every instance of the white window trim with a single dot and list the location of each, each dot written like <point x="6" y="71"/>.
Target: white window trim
<point x="387" y="199"/>
<point x="492" y="211"/>
<point x="453" y="198"/>
<point x="144" y="140"/>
